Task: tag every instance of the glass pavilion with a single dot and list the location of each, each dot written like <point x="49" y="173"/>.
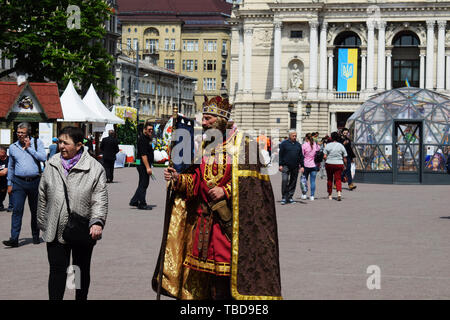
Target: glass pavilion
<point x="402" y="136"/>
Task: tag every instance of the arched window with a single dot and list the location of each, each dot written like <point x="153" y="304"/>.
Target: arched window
<point x="351" y="41"/>
<point x="347" y="39"/>
<point x="405" y="60"/>
<point x="406" y="39"/>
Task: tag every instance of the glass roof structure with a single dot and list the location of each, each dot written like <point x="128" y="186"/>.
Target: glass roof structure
<point x="404" y="129"/>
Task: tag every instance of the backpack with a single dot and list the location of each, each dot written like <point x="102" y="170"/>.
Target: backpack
<point x="318" y="157"/>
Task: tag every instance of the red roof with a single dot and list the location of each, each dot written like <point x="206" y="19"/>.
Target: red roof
<point x="175" y="10"/>
<point x="46" y="93"/>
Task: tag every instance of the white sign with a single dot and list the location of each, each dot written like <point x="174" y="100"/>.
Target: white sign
<point x="5" y="136"/>
<point x="430" y="150"/>
<point x="46" y="133"/>
<point x="388" y="150"/>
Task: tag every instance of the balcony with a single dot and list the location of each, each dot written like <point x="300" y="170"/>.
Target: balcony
<point x="151" y="51"/>
<point x="224" y="73"/>
<point x="352" y="96"/>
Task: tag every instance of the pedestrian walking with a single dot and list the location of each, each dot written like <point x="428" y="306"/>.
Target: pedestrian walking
<point x="24" y="174"/>
<point x="335" y="160"/>
<point x="347" y="173"/>
<point x="53" y="148"/>
<point x="144" y="168"/>
<point x="309" y="149"/>
<point x="3" y="176"/>
<point x="291" y="159"/>
<point x="109" y="147"/>
<point x="74" y="173"/>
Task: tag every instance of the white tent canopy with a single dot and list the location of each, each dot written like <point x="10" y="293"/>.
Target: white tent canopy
<point x="94" y="103"/>
<point x="75" y="110"/>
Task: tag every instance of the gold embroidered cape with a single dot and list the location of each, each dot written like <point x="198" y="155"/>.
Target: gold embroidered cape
<point x="255" y="269"/>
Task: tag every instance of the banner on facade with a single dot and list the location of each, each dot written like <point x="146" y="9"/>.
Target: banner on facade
<point x="125" y="112"/>
<point x="347" y="70"/>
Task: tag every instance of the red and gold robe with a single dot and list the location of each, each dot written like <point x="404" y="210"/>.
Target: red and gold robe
<point x="213" y="171"/>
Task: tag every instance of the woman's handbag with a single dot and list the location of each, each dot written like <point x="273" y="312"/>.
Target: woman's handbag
<point x="76" y="231"/>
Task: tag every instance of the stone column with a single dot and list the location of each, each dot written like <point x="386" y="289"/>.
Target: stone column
<point x="313" y="55"/>
<point x="422" y="70"/>
<point x="370" y="54"/>
<point x="388" y="70"/>
<point x="333" y="122"/>
<point x="241" y="61"/>
<point x="363" y="71"/>
<point x="381" y="84"/>
<point x="276" y="92"/>
<point x="429" y="80"/>
<point x="299" y="117"/>
<point x="330" y="71"/>
<point x="323" y="57"/>
<point x="447" y="81"/>
<point x="441" y="55"/>
<point x="248" y="35"/>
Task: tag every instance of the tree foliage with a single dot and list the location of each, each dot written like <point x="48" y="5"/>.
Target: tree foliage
<point x="36" y="33"/>
<point x="126" y="133"/>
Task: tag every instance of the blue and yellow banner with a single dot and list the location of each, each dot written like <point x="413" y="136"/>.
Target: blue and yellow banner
<point x="347" y="70"/>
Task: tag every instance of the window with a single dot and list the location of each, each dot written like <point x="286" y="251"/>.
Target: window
<point x="224" y="47"/>
<point x="406" y="40"/>
<point x="209" y="65"/>
<point x="172" y="47"/>
<point x="209" y="84"/>
<point x="190" y="45"/>
<point x="166" y="44"/>
<point x="128" y="43"/>
<point x="190" y="65"/>
<point x="169" y="64"/>
<point x="296" y="34"/>
<point x="210" y="45"/>
<point x="151" y="45"/>
<point x="406" y="69"/>
<point x="135" y="43"/>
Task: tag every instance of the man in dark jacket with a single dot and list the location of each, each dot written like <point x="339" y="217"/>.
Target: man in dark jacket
<point x="291" y="159"/>
<point x="345" y="140"/>
<point x="145" y="155"/>
<point x="109" y="147"/>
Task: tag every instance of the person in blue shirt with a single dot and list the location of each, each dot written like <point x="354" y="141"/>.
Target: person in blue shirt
<point x="53" y="148"/>
<point x="24" y="173"/>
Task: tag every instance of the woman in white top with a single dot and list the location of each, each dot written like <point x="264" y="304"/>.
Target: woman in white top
<point x="335" y="156"/>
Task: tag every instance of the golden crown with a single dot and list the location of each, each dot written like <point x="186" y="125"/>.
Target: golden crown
<point x="217" y="106"/>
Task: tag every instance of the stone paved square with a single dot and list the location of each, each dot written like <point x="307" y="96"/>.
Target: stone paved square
<point x="325" y="246"/>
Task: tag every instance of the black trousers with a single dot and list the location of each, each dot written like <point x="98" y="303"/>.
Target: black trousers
<point x="59" y="260"/>
<point x="288" y="182"/>
<point x="141" y="191"/>
<point x="3" y="192"/>
<point x="109" y="168"/>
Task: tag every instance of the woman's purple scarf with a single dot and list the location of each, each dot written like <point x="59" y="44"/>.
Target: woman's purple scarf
<point x="70" y="163"/>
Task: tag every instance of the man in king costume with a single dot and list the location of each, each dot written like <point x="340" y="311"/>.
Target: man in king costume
<point x="222" y="240"/>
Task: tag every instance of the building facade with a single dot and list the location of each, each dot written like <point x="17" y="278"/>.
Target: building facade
<point x="159" y="90"/>
<point x="310" y="65"/>
<point x="189" y="38"/>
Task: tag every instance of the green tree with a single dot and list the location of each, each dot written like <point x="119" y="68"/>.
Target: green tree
<point x="36" y="33"/>
<point x="126" y="133"/>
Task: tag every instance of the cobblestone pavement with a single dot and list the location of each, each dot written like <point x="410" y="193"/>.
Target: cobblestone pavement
<point x="326" y="246"/>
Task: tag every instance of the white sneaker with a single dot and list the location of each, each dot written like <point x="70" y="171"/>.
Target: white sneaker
<point x="311" y="198"/>
<point x="303" y="196"/>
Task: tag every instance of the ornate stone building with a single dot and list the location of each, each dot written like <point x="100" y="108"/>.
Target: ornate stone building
<point x="286" y="64"/>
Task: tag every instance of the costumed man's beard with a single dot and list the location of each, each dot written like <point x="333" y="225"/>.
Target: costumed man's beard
<point x="210" y="131"/>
